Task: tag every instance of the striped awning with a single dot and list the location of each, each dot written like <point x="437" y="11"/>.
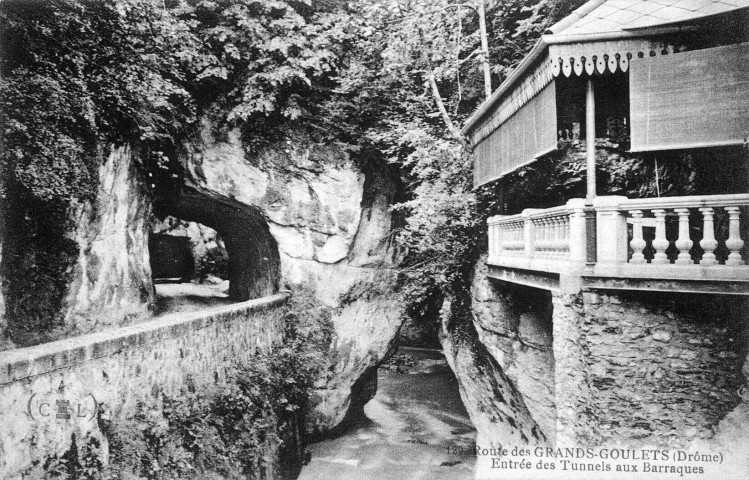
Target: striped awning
<point x="690" y="100"/>
<point x="523" y="137"/>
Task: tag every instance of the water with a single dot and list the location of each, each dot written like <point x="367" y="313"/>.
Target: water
<point x="409" y="426"/>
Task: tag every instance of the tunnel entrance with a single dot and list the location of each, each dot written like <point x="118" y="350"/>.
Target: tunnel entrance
<point x="217" y="252"/>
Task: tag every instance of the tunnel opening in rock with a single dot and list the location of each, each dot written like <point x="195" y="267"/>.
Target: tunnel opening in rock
<point x="183" y="251"/>
<point x="218" y="251"/>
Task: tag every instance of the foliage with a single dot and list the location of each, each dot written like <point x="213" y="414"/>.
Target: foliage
<point x="74" y="464"/>
<point x="74" y="75"/>
<point x="443" y="233"/>
<point x="37" y="258"/>
<point x="231" y="430"/>
<point x="237" y="428"/>
<point x="267" y="65"/>
<point x="79" y="75"/>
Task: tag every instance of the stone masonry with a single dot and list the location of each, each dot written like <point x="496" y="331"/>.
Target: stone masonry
<point x="50" y="392"/>
<point x="626" y="368"/>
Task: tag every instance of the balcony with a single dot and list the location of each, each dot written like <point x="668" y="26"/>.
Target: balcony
<point x="690" y="244"/>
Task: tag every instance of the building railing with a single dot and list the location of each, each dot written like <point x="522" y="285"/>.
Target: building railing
<point x="693" y="237"/>
<point x="544" y="240"/>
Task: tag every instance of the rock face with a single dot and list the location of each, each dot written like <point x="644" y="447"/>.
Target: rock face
<point x="730" y="433"/>
<point x="3" y="321"/>
<point x="297" y="216"/>
<point x="366" y="324"/>
<point x="662" y="367"/>
<point x="330" y="221"/>
<point x="497" y="408"/>
<point x="310" y="195"/>
<point x="111" y="280"/>
<point x="515" y="326"/>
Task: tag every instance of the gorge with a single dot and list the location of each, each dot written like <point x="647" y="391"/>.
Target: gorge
<point x="247" y="239"/>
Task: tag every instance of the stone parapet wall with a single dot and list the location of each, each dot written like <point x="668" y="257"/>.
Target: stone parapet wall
<point x="52" y="392"/>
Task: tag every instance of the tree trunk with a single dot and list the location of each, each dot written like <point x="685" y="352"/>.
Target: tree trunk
<point x="454" y="131"/>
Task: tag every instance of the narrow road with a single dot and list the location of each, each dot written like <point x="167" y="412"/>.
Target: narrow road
<point x="189" y="297"/>
<point x="409" y="426"/>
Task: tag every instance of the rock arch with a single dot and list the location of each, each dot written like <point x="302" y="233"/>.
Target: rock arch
<point x="254" y="264"/>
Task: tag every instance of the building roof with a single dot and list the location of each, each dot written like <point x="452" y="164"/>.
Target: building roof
<point x="599" y="16"/>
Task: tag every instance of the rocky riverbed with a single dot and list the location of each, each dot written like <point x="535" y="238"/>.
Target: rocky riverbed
<point x="415" y="428"/>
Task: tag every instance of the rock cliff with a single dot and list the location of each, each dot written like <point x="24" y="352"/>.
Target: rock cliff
<point x="497" y="408"/>
<point x="111" y="278"/>
<point x="331" y="223"/>
<point x="296" y="216"/>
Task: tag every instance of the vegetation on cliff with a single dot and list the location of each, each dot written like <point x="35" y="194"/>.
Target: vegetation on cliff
<point x="392" y="80"/>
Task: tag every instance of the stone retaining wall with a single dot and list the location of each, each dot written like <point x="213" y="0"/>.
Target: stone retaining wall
<point x="50" y="392"/>
<point x="627" y="368"/>
<point x="663" y="367"/>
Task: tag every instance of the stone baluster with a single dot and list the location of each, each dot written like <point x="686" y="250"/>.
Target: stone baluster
<point x="683" y="243"/>
<point x="734" y="242"/>
<point x="708" y="242"/>
<point x="513" y="235"/>
<point x="494" y="240"/>
<point x="552" y="245"/>
<point x="660" y="244"/>
<point x="560" y="236"/>
<point x="638" y="242"/>
<point x="529" y="236"/>
<point x="546" y="229"/>
<point x="566" y="235"/>
<point x="500" y="240"/>
<point x="520" y="238"/>
<point x="539" y="240"/>
<point x="554" y="221"/>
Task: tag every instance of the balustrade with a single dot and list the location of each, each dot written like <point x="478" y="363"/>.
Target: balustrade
<point x="634" y="237"/>
<point x="694" y="219"/>
<point x="535" y="235"/>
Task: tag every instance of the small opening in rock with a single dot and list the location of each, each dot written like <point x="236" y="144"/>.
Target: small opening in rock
<point x="207" y="252"/>
<point x="189" y="265"/>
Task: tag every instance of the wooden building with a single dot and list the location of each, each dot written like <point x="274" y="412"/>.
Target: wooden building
<point x="670" y="75"/>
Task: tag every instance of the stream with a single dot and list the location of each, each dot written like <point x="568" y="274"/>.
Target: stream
<point x="408" y="427"/>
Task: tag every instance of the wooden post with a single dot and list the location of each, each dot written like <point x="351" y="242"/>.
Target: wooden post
<point x="501" y="185"/>
<point x="590" y="139"/>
